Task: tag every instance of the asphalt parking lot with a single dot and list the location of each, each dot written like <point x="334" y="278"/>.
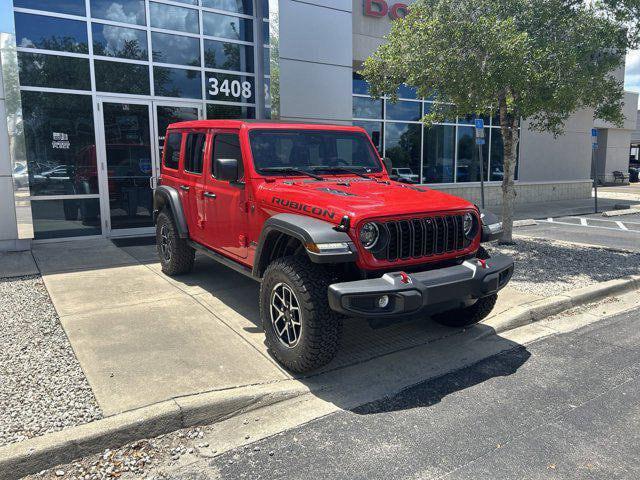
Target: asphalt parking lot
<point x="621" y="232"/>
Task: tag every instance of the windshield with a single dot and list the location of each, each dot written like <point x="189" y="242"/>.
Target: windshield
<point x="311" y="150"/>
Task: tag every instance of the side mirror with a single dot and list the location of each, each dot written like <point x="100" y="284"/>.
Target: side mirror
<point x="387" y="164"/>
<point x="226" y="169"/>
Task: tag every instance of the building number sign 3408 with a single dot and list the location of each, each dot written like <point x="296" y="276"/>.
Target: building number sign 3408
<point x="230" y="88"/>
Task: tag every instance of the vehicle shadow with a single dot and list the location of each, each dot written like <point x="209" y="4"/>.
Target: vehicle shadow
<point x="375" y="357"/>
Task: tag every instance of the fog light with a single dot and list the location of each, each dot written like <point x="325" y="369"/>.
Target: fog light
<point x="383" y="301"/>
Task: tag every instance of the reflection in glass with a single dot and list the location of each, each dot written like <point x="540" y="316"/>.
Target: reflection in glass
<point x="468" y="164"/>
<point x="60" y="143"/>
<point x="497" y="157"/>
<point x="168" y="115"/>
<point x="50" y="33"/>
<point x="360" y="85"/>
<point x="173" y="18"/>
<point x="439" y="152"/>
<point x="374" y="130"/>
<point x="236" y="6"/>
<point x="129" y="167"/>
<point x="225" y="26"/>
<point x="228" y="56"/>
<point x="121" y="77"/>
<point x="402" y="146"/>
<point x="229" y="111"/>
<point x="405" y="91"/>
<point x="71" y="7"/>
<point x="176" y="49"/>
<point x="66" y="218"/>
<point x="230" y="88"/>
<point x="364" y="107"/>
<point x="37" y="70"/>
<point x="111" y="41"/>
<point x="409" y="111"/>
<point x="176" y="82"/>
<point x="124" y="11"/>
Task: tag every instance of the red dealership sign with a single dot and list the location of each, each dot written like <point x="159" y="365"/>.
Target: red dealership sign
<point x="381" y="8"/>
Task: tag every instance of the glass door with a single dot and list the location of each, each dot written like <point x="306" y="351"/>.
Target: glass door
<point x="129" y="160"/>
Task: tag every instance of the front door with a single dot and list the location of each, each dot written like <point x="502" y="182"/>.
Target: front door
<point x="129" y="148"/>
<point x="129" y="160"/>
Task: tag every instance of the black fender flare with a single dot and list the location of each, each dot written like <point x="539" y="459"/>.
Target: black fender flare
<point x="308" y="230"/>
<point x="168" y="196"/>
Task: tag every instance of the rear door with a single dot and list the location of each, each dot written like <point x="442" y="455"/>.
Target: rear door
<point x="193" y="183"/>
<point x="226" y="201"/>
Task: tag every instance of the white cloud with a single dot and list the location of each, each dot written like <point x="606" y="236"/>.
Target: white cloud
<point x="632" y="71"/>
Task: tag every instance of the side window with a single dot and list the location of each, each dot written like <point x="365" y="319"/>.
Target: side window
<point x="227" y="145"/>
<point x="194" y="152"/>
<point x="172" y="150"/>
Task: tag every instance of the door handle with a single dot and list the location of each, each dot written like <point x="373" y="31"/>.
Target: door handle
<point x="184" y="187"/>
<point x="209" y="195"/>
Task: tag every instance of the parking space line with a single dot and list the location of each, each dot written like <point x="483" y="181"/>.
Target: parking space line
<point x="616" y="228"/>
<point x="583" y="222"/>
<point x="621" y="225"/>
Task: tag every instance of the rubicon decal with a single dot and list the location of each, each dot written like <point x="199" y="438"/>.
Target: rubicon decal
<point x="303" y="207"/>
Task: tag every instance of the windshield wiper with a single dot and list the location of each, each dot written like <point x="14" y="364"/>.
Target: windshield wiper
<point x="339" y="169"/>
<point x="298" y="171"/>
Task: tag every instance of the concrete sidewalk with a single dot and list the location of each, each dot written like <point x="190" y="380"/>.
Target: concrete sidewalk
<point x="142" y="337"/>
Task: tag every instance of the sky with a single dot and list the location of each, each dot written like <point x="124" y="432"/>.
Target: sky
<point x="632" y="73"/>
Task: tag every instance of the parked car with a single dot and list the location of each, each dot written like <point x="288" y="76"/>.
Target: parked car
<point x="310" y="212"/>
<point x="405" y="173"/>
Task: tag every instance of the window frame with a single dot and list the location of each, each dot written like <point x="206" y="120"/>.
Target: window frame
<point x="241" y="170"/>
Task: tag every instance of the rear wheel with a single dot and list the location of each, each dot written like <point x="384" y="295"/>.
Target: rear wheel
<point x="301" y="331"/>
<point x="176" y="256"/>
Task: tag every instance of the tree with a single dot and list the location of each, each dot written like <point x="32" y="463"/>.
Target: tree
<point x="539" y="60"/>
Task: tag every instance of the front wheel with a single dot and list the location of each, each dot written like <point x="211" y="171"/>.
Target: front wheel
<point x="463" y="317"/>
<point x="301" y="331"/>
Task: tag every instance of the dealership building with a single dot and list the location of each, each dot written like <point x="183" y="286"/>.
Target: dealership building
<point x="88" y="87"/>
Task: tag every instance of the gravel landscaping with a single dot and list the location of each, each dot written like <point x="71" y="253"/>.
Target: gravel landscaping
<point x="42" y="387"/>
<point x="549" y="267"/>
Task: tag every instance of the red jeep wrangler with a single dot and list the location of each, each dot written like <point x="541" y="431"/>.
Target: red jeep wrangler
<point x="310" y="212"/>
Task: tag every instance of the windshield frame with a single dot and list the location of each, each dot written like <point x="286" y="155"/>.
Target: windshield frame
<point x="378" y="169"/>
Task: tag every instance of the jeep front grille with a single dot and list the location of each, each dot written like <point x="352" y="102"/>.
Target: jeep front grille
<point x="422" y="237"/>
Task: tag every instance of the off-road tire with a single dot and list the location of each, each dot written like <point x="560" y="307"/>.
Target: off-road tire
<point x="181" y="255"/>
<point x="463" y="317"/>
<point x="321" y="327"/>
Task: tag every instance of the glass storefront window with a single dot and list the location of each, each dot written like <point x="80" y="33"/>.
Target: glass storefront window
<point x="364" y="107"/>
<point x="176" y="82"/>
<point x="121" y="42"/>
<point x="226" y="26"/>
<point x="402" y="146"/>
<point x="405" y="91"/>
<point x="360" y="86"/>
<point x="228" y="56"/>
<point x="229" y="88"/>
<point x="236" y="6"/>
<point x="171" y="17"/>
<point x="497" y="157"/>
<point x="38" y="70"/>
<point x="123" y="11"/>
<point x="70" y="7"/>
<point x="229" y="111"/>
<point x="176" y="49"/>
<point x="374" y="130"/>
<point x="50" y="33"/>
<point x="119" y="77"/>
<point x="407" y="111"/>
<point x="439" y="154"/>
<point x="468" y="163"/>
<point x="60" y="143"/>
<point x="66" y="218"/>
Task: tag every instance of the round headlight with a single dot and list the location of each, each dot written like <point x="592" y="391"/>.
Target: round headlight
<point x="369" y="234"/>
<point x="468" y="225"/>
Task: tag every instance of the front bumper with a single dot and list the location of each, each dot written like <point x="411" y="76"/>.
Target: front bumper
<point x="433" y="290"/>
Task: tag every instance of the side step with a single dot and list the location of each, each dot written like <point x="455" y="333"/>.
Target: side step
<point x="227" y="262"/>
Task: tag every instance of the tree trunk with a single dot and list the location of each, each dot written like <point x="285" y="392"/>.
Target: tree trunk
<point x="510" y="137"/>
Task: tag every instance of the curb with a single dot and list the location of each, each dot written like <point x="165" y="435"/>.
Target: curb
<point x="40" y="453"/>
<point x="540" y="309"/>
<point x="617" y="213"/>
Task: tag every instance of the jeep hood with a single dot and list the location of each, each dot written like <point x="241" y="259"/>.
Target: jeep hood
<point x="357" y="198"/>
